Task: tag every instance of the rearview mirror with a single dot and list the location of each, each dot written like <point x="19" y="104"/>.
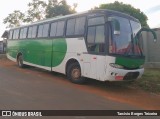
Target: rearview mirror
<point x="115" y="24"/>
<point x="147" y="30"/>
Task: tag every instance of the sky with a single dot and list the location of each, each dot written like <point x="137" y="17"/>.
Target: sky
<point x="150" y="7"/>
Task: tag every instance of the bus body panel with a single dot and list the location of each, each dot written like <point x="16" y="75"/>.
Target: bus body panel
<point x="130" y="62"/>
<point x="94" y="66"/>
<point x="38" y="53"/>
<point x="35" y="52"/>
<point x="115" y="74"/>
<point x="75" y="49"/>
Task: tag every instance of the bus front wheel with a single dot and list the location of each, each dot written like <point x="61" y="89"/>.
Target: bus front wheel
<point x="74" y="73"/>
<point x="20" y="61"/>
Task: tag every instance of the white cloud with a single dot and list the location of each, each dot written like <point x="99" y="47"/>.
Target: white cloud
<point x="154" y="19"/>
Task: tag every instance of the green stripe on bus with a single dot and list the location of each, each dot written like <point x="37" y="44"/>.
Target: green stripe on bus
<point x="59" y="51"/>
<point x="39" y="51"/>
<point x="129" y="63"/>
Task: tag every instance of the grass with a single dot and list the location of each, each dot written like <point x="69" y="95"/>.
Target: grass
<point x="150" y="81"/>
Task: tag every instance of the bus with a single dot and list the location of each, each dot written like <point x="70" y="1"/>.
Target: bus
<point x="104" y="45"/>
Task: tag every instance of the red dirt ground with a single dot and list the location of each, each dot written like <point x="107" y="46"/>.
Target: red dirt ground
<point x="135" y="97"/>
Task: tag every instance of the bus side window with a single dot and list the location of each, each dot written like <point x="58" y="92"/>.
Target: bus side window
<point x="21" y="33"/>
<point x="11" y="34"/>
<point x="96" y="39"/>
<point x="34" y="31"/>
<point x="13" y="37"/>
<point x="60" y="28"/>
<point x="70" y="27"/>
<point x="76" y="26"/>
<point x="53" y="29"/>
<point x="40" y="31"/>
<point x="30" y="32"/>
<point x="57" y="29"/>
<point x="25" y="32"/>
<point x="45" y="30"/>
<point x="80" y="25"/>
<point x="91" y="34"/>
<point x="16" y="34"/>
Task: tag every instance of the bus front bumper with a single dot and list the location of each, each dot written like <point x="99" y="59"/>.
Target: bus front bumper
<point x="115" y="74"/>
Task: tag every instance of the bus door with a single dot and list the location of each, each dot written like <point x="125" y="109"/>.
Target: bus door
<point x="95" y="59"/>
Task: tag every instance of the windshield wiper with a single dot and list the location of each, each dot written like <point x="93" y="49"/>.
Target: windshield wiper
<point x="129" y="48"/>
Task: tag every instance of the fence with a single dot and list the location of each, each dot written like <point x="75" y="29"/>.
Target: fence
<point x="151" y="49"/>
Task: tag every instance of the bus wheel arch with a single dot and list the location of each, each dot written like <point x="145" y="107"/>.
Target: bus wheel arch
<point x="20" y="60"/>
<point x="73" y="71"/>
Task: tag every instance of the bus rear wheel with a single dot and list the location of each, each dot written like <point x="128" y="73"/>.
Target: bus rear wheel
<point x="74" y="73"/>
<point x="20" y="61"/>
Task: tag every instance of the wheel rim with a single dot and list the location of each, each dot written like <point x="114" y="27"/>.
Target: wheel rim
<point x="76" y="73"/>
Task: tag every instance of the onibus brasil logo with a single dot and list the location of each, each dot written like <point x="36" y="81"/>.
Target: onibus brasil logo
<point x="21" y="113"/>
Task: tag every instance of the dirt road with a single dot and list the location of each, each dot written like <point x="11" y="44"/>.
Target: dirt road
<point x="33" y="88"/>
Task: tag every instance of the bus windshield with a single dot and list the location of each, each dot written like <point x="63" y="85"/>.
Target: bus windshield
<point x="125" y="43"/>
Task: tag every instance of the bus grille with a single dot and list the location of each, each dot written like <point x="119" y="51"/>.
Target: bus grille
<point x="131" y="76"/>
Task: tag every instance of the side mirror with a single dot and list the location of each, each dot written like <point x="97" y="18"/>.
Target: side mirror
<point x="147" y="30"/>
<point x="116" y="25"/>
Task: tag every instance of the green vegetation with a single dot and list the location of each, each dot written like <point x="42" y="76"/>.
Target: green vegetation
<point x="128" y="9"/>
<point x="39" y="10"/>
<point x="150" y="81"/>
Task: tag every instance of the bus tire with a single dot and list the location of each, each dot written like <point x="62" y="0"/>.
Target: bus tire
<point x="74" y="73"/>
<point x="20" y="61"/>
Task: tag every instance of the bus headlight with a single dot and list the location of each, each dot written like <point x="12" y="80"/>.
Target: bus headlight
<point x="116" y="66"/>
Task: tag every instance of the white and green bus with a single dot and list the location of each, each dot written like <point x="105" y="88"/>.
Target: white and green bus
<point x="100" y="44"/>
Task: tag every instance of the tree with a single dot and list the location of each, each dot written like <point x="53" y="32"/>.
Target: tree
<point x="14" y="19"/>
<point x="36" y="11"/>
<point x="39" y="10"/>
<point x="128" y="9"/>
<point x="55" y="8"/>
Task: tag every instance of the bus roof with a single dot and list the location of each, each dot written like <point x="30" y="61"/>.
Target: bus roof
<point x="102" y="11"/>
